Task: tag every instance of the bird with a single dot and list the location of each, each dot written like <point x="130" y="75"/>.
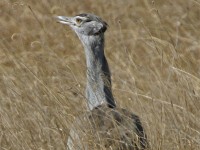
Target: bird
<point x="104" y="125"/>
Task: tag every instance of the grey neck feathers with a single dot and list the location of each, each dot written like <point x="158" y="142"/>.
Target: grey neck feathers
<point x="98" y="90"/>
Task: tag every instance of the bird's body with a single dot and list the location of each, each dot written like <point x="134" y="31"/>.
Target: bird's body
<point x="105" y="128"/>
<point x="105" y="125"/>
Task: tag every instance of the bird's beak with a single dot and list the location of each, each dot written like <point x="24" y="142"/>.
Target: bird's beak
<point x="64" y="20"/>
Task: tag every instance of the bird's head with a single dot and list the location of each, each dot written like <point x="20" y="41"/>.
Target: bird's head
<point x="84" y="24"/>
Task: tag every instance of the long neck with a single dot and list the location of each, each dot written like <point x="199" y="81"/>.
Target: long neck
<point x="98" y="90"/>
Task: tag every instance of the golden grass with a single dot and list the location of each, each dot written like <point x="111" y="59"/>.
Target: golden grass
<point x="153" y="52"/>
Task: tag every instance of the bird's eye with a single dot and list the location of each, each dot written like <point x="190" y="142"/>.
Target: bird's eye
<point x="78" y="20"/>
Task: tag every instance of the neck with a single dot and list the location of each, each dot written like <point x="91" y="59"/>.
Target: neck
<point x="98" y="90"/>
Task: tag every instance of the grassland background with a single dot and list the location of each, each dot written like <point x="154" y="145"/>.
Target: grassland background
<point x="153" y="49"/>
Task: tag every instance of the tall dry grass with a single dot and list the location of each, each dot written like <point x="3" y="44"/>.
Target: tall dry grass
<point x="153" y="49"/>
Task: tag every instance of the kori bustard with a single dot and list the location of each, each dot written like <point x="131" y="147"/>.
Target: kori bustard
<point x="104" y="126"/>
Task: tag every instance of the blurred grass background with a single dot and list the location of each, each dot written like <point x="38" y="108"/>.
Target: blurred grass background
<point x="153" y="49"/>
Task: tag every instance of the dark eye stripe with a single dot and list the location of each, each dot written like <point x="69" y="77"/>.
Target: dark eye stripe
<point x="82" y="15"/>
<point x="88" y="20"/>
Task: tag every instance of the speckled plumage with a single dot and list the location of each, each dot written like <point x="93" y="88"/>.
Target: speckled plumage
<point x="105" y="128"/>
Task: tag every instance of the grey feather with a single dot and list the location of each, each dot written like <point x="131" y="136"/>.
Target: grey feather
<point x="105" y="124"/>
